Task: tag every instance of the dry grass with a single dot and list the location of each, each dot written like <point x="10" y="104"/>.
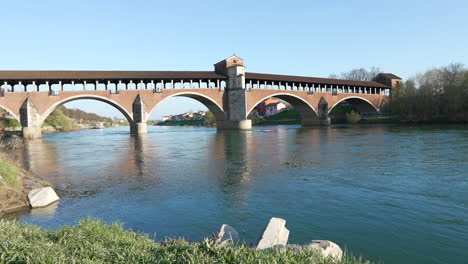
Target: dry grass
<point x="15" y="183"/>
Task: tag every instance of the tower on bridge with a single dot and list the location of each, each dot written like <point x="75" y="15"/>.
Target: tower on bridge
<point x="235" y="105"/>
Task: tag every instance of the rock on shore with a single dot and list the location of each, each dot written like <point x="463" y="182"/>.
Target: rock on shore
<point x="274" y="234"/>
<point x="42" y="197"/>
<point x="225" y="235"/>
<point x="326" y="248"/>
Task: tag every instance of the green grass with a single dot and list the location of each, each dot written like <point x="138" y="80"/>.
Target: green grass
<point x="92" y="241"/>
<point x="8" y="122"/>
<point x="181" y="123"/>
<point x="9" y="172"/>
<point x="289" y="114"/>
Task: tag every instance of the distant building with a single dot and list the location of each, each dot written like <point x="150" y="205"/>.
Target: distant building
<point x="269" y="107"/>
<point x="185" y="116"/>
<point x="274" y="108"/>
<point x="198" y="115"/>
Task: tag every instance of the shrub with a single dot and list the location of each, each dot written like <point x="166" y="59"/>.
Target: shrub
<point x="353" y="117"/>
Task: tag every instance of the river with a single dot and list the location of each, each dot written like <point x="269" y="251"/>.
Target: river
<point x="393" y="193"/>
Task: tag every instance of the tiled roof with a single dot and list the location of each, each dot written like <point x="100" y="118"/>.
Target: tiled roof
<point x="303" y="79"/>
<point x="107" y="75"/>
<point x="390" y="75"/>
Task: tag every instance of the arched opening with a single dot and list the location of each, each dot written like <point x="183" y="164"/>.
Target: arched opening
<point x="8" y="120"/>
<point x="351" y="110"/>
<point x="186" y="108"/>
<point x="283" y="109"/>
<point x="85" y="112"/>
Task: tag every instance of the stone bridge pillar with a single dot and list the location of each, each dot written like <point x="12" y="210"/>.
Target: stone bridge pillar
<point x="235" y="101"/>
<point x="323" y="119"/>
<point x="139" y="126"/>
<point x="30" y="120"/>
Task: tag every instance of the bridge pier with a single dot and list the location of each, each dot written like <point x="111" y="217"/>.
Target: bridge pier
<point x="30" y="120"/>
<point x="32" y="132"/>
<point x="234" y="125"/>
<point x="139" y="125"/>
<point x="139" y="128"/>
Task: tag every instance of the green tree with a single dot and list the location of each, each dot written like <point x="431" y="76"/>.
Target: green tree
<point x="439" y="94"/>
<point x="353" y="117"/>
<point x="209" y="119"/>
<point x="58" y="119"/>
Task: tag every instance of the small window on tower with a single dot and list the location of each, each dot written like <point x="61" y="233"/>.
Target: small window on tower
<point x="235" y="61"/>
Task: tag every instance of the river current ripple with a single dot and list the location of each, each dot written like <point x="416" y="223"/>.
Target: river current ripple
<point x="393" y="193"/>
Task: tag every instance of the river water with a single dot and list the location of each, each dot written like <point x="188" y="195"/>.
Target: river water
<point x="390" y="193"/>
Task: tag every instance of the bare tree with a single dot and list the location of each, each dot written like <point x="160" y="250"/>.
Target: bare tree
<point x="439" y="94"/>
<point x="360" y="74"/>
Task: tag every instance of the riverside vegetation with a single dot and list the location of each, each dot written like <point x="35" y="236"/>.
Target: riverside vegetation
<point x="15" y="183"/>
<point x="92" y="241"/>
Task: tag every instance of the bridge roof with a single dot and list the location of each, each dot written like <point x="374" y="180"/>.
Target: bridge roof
<point x="106" y="75"/>
<point x="39" y="76"/>
<point x="303" y="79"/>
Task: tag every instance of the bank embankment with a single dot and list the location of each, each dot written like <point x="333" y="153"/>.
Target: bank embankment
<point x="92" y="241"/>
<point x="15" y="184"/>
<point x="181" y="123"/>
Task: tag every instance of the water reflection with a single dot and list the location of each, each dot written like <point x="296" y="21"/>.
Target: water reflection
<point x="40" y="156"/>
<point x="231" y="148"/>
<point x="45" y="213"/>
<point x="132" y="163"/>
<point x="366" y="187"/>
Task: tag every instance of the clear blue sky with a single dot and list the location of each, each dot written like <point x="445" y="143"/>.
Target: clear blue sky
<point x="312" y="38"/>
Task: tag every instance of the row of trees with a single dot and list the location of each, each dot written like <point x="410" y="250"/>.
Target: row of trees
<point x="438" y="95"/>
<point x="360" y="74"/>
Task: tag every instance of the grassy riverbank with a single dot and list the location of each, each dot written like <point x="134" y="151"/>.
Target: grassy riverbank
<point x="15" y="183"/>
<point x="91" y="241"/>
<point x="12" y="189"/>
<point x="181" y="123"/>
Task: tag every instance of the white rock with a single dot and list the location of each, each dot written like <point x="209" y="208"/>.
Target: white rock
<point x="1" y="178"/>
<point x="326" y="248"/>
<point x="42" y="197"/>
<point x="274" y="234"/>
<point x="226" y="234"/>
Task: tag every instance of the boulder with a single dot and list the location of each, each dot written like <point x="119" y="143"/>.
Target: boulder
<point x="274" y="234"/>
<point x="225" y="235"/>
<point x="326" y="248"/>
<point x="42" y="197"/>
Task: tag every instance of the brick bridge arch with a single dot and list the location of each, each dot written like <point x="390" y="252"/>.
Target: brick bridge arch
<point x="116" y="105"/>
<point x="365" y="105"/>
<point x="306" y="109"/>
<point x="214" y="102"/>
<point x="13" y="114"/>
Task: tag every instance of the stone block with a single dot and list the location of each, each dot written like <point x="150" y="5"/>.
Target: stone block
<point x="274" y="234"/>
<point x="225" y="235"/>
<point x="42" y="197"/>
<point x="326" y="248"/>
